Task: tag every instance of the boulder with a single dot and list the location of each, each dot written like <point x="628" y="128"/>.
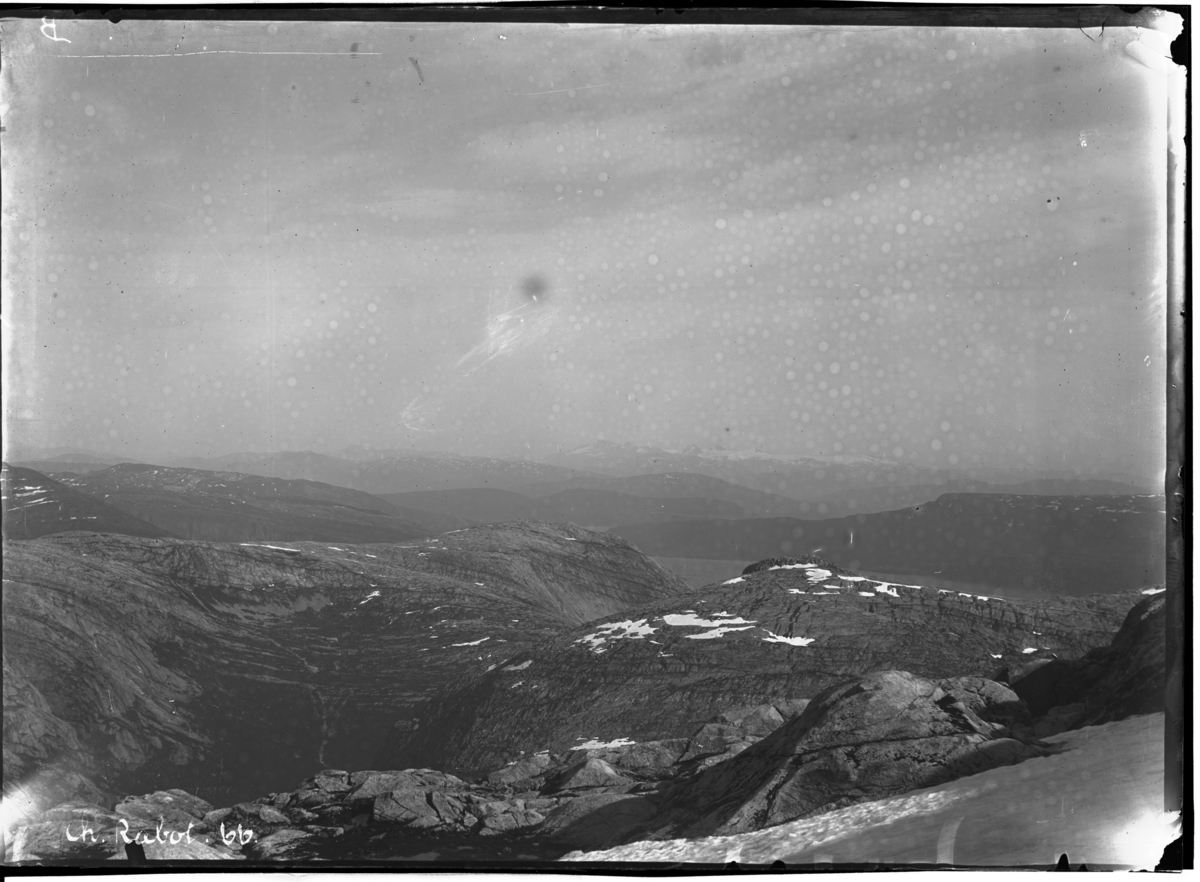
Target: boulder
<point x="71" y="831"/>
<point x="646" y="759"/>
<point x="875" y="736"/>
<point x="592" y="772"/>
<point x="1132" y="677"/>
<point x="368" y="785"/>
<point x="165" y="810"/>
<point x="522" y="770"/>
<point x="408" y="808"/>
<point x="760" y="720"/>
<point x="195" y="850"/>
<point x="284" y="844"/>
<point x="1109" y="683"/>
<point x="596" y="820"/>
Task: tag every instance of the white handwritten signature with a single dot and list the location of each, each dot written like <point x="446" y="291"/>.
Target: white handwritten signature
<point x="174" y="837"/>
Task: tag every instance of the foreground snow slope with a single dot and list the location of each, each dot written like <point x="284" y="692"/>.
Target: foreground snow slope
<point x="1099" y="801"/>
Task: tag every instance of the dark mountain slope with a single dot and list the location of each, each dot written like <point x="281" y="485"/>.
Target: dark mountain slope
<point x="593" y="508"/>
<point x="660" y="670"/>
<point x="241" y="668"/>
<point x="37" y="505"/>
<point x="232" y="507"/>
<point x="480" y="505"/>
<point x="677" y="485"/>
<point x="1049" y="544"/>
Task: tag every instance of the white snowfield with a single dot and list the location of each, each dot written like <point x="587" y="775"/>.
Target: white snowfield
<point x="617" y="631"/>
<point x="522" y="666"/>
<point x="791" y="641"/>
<point x="596" y="744"/>
<point x="733" y="581"/>
<point x="1099" y="801"/>
<point x="718" y="625"/>
<point x="1153" y="590"/>
<point x="472" y="643"/>
<point x="690" y="618"/>
<point x="368" y="597"/>
<point x="716" y="632"/>
<point x="276" y="547"/>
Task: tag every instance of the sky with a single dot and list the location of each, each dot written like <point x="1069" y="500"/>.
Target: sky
<point x="940" y="246"/>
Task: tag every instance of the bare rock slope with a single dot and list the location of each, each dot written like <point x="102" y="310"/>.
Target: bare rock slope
<point x="788" y="629"/>
<point x="37" y="505"/>
<point x="149" y="664"/>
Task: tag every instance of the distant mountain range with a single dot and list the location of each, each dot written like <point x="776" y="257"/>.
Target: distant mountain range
<point x="392" y="474"/>
<point x="229" y="506"/>
<point x="763" y="485"/>
<point x="1023" y="544"/>
<point x="808" y="477"/>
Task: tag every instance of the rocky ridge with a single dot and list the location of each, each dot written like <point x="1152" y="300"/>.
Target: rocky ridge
<point x="37" y="505"/>
<point x="786" y="629"/>
<point x="860" y="741"/>
<point x="130" y="660"/>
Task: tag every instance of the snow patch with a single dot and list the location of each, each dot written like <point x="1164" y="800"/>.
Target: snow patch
<point x="1029" y="649"/>
<point x="473" y="643"/>
<point x="690" y="618"/>
<point x="596" y="744"/>
<point x="816" y="574"/>
<point x="733" y="581"/>
<point x="276" y="547"/>
<point x="1154" y="590"/>
<point x="616" y="631"/>
<point x="791" y="641"/>
<point x="368" y="597"/>
<point x="522" y="666"/>
<point x="716" y="632"/>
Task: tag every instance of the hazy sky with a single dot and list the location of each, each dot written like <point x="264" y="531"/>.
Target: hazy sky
<point x="943" y="246"/>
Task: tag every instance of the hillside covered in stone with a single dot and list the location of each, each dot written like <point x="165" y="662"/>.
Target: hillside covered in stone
<point x="37" y="505"/>
<point x="864" y="772"/>
<point x="1034" y="545"/>
<point x="236" y="507"/>
<point x="787" y="629"/>
<point x="232" y="669"/>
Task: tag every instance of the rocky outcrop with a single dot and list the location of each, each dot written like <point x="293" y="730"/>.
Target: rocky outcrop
<point x="588" y="798"/>
<point x="167" y="826"/>
<point x="1083" y="800"/>
<point x="136" y="665"/>
<point x="37" y="505"/>
<point x="1038" y="546"/>
<point x="876" y="736"/>
<point x="1109" y="683"/>
<point x="661" y="670"/>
